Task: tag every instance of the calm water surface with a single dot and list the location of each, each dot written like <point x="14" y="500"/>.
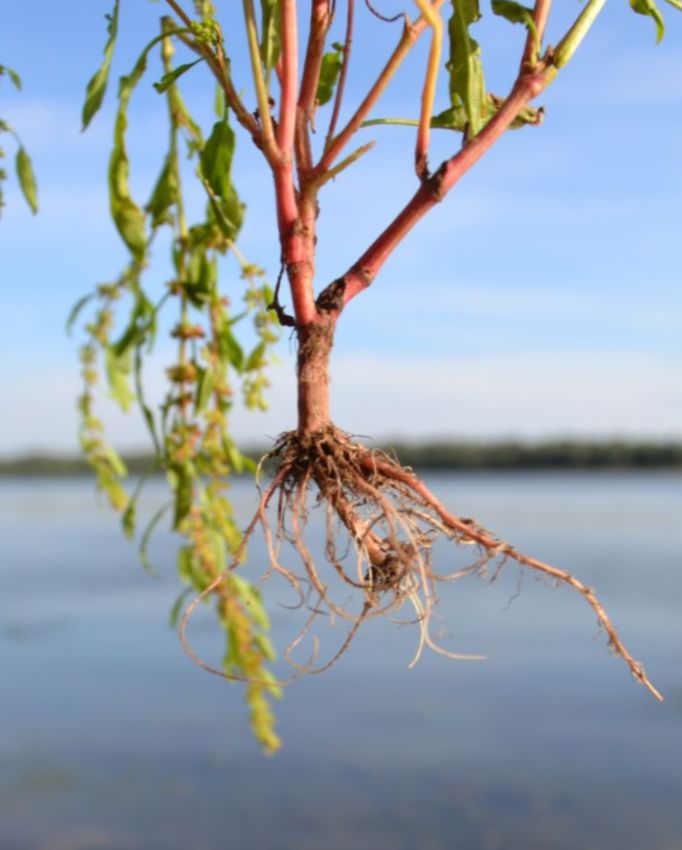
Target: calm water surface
<point x="110" y="739"/>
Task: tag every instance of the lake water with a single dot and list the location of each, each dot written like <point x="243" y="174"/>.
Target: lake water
<point x="110" y="739"/>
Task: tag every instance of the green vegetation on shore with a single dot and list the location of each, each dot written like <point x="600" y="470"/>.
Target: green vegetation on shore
<point x="557" y="454"/>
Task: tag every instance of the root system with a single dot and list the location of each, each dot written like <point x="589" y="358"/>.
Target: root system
<point x="381" y="522"/>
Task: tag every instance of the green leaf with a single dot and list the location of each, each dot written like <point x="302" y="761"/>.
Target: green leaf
<point x="76" y="309"/>
<point x="332" y="63"/>
<point x="176" y="610"/>
<point x="230" y="349"/>
<point x="146" y="537"/>
<point x="216" y="167"/>
<point x="252" y="599"/>
<point x="141" y="323"/>
<point x="467" y="85"/>
<point x="118" y="369"/>
<point x="165" y="194"/>
<point x="12" y="74"/>
<point x="515" y="13"/>
<point x="142" y="404"/>
<point x="27" y="179"/>
<point x="265" y="647"/>
<point x="114" y="461"/>
<point x="273" y="686"/>
<point x="270" y="45"/>
<point x="184" y="492"/>
<point x="168" y="79"/>
<point x="255" y="359"/>
<point x="234" y="456"/>
<point x="97" y="86"/>
<point x="185" y="564"/>
<point x="648" y="7"/>
<point x="205" y="384"/>
<point x="128" y="217"/>
<point x="128" y="520"/>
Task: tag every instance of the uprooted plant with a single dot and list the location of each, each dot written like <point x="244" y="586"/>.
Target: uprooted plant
<point x="381" y="519"/>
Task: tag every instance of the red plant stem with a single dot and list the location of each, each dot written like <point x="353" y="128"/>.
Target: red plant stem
<point x="296" y="234"/>
<point x="341" y="87"/>
<point x="289" y="78"/>
<point x="410" y="34"/>
<point x="540" y="16"/>
<point x="320" y="20"/>
<point x="314" y="349"/>
<point x="363" y="272"/>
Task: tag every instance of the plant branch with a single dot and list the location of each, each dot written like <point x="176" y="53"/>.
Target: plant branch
<point x="180" y="12"/>
<point x="363" y="272"/>
<point x="534" y="38"/>
<point x="421" y="152"/>
<point x="320" y="21"/>
<point x="289" y="78"/>
<point x="410" y="35"/>
<point x="341" y="87"/>
<point x="270" y="148"/>
<point x="341" y="166"/>
<point x="221" y="73"/>
<point x="571" y="41"/>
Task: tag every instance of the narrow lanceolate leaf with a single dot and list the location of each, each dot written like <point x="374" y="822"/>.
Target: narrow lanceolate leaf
<point x="230" y="349"/>
<point x="270" y="43"/>
<point x="168" y="79"/>
<point x="164" y="195"/>
<point x="14" y="77"/>
<point x="467" y="86"/>
<point x="515" y="13"/>
<point x="27" y="179"/>
<point x="648" y="7"/>
<point x="216" y="168"/>
<point x="329" y="74"/>
<point x="128" y="217"/>
<point x="76" y="309"/>
<point x="97" y="86"/>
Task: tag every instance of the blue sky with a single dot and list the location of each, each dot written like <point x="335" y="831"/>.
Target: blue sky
<point x="541" y="299"/>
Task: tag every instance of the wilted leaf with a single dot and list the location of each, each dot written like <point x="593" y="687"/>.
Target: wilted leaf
<point x="216" y="168"/>
<point x="97" y="86"/>
<point x="164" y="195"/>
<point x="332" y="63"/>
<point x="515" y="13"/>
<point x="128" y="217"/>
<point x="467" y="86"/>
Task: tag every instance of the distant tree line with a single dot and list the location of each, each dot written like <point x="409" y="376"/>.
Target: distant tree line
<point x="442" y="455"/>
